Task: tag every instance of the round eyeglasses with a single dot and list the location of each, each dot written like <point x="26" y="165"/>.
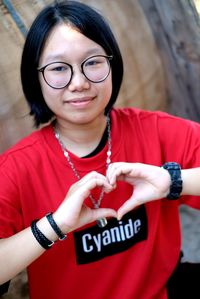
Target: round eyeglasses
<point x="59" y="74"/>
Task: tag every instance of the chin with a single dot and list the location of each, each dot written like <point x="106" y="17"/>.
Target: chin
<point x="85" y="118"/>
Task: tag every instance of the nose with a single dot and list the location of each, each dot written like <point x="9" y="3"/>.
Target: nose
<point x="78" y="82"/>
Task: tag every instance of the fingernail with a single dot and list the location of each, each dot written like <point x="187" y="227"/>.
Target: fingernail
<point x="119" y="217"/>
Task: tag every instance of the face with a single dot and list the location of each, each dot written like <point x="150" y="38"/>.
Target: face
<point x="81" y="101"/>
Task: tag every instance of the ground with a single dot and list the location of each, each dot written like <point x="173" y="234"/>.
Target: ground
<point x="190" y="220"/>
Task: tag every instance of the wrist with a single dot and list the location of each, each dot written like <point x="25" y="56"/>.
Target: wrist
<point x="44" y="226"/>
<point x="46" y="231"/>
<point x="190" y="179"/>
<point x="60" y="219"/>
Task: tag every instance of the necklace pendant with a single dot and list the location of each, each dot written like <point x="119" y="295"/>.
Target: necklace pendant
<point x="102" y="222"/>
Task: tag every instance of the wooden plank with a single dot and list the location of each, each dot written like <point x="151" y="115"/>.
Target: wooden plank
<point x="176" y="28"/>
<point x="28" y="10"/>
<point x="13" y="123"/>
<point x="16" y="18"/>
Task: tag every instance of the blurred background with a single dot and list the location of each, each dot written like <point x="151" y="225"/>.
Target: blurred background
<point x="160" y="44"/>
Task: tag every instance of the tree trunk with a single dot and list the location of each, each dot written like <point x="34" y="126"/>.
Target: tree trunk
<point x="176" y="28"/>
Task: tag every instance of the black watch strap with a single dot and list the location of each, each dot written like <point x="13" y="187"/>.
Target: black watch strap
<point x="176" y="186"/>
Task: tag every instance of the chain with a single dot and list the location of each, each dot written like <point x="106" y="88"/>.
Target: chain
<point x="95" y="203"/>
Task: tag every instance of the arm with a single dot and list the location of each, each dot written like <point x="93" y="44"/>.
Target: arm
<point x="20" y="250"/>
<point x="17" y="252"/>
<point x="191" y="181"/>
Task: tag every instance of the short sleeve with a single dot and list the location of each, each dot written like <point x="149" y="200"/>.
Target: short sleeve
<point x="181" y="144"/>
<point x="10" y="210"/>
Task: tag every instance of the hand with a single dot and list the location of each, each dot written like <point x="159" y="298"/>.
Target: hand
<point x="72" y="213"/>
<point x="150" y="183"/>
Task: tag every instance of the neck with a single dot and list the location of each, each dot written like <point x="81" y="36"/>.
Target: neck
<point x="82" y="139"/>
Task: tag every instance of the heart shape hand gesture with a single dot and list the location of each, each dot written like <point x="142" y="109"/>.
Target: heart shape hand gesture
<point x="150" y="183"/>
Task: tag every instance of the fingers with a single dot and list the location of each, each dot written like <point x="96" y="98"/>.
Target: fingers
<point x="94" y="179"/>
<point x="145" y="179"/>
<point x="118" y="171"/>
<point x="128" y="206"/>
<point x="82" y="188"/>
<point x="101" y="213"/>
<point x="127" y="171"/>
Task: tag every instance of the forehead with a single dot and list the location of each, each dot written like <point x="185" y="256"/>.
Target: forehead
<point x="66" y="42"/>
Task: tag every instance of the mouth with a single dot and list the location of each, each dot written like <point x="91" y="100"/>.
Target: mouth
<point x="80" y="101"/>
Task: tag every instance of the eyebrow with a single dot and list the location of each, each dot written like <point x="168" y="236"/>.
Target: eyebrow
<point x="62" y="56"/>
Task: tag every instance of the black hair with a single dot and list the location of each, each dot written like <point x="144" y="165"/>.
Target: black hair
<point x="90" y="23"/>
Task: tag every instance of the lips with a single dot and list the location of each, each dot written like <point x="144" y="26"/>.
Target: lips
<point x="80" y="101"/>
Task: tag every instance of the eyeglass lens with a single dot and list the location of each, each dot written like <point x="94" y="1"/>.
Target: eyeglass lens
<point x="59" y="74"/>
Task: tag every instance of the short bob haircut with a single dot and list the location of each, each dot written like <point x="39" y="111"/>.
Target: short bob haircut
<point x="90" y="23"/>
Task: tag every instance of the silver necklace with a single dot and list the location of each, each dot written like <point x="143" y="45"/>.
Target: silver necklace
<point x="96" y="204"/>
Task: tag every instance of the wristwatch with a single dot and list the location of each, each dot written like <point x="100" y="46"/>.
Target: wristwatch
<point x="176" y="186"/>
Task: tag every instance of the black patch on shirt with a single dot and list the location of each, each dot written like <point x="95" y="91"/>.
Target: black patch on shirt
<point x="95" y="243"/>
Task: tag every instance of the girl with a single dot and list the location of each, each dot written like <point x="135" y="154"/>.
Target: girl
<point x="67" y="190"/>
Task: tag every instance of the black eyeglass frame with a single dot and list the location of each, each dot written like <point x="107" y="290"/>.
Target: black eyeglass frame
<point x="108" y="57"/>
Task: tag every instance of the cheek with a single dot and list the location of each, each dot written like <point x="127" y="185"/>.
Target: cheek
<point x="49" y="94"/>
<point x="51" y="97"/>
<point x="44" y="88"/>
<point x="106" y="89"/>
<point x="110" y="84"/>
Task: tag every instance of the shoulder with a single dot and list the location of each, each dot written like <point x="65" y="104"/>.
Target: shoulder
<point x="26" y="146"/>
<point x="151" y="117"/>
<point x="156" y="125"/>
<point x="139" y="113"/>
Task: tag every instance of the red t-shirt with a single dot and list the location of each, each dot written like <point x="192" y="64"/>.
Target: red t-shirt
<point x="129" y="259"/>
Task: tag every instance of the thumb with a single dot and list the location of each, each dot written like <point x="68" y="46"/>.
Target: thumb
<point x="128" y="206"/>
<point x="103" y="213"/>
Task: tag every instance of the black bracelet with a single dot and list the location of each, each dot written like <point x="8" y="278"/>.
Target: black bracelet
<point x="55" y="227"/>
<point x="42" y="240"/>
<point x="176" y="186"/>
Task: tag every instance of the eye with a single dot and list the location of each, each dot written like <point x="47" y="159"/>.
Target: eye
<point x="58" y="67"/>
<point x="94" y="61"/>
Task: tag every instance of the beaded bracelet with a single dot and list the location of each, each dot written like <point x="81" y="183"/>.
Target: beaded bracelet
<point x="176" y="186"/>
<point x="42" y="240"/>
<point x="55" y="227"/>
